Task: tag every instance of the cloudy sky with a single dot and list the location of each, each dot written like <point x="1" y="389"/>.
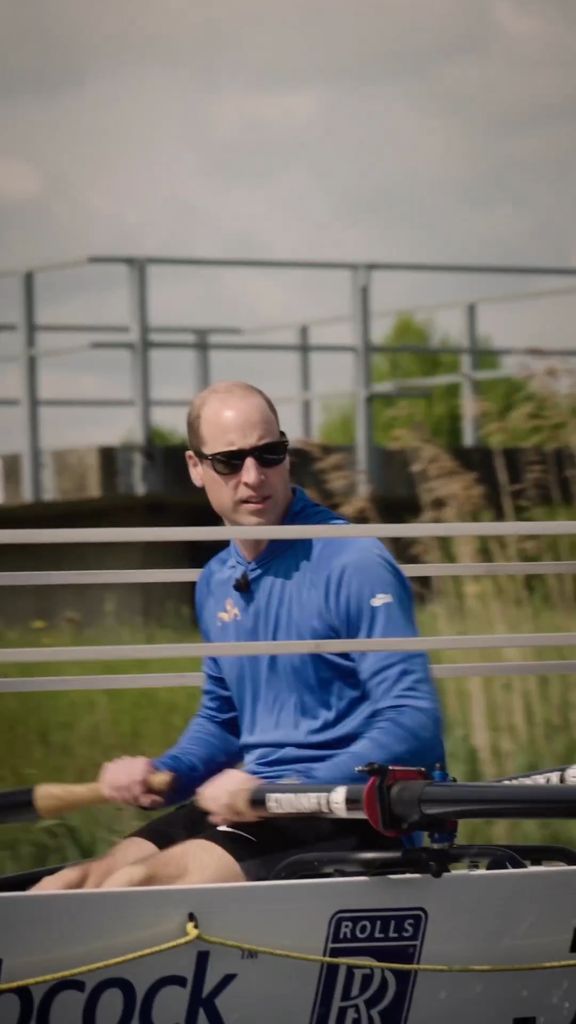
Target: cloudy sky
<point x="319" y="129"/>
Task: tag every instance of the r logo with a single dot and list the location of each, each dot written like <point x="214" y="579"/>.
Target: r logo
<point x="362" y="995"/>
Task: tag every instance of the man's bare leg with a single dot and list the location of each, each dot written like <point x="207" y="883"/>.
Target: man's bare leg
<point x="91" y="874"/>
<point x="194" y="862"/>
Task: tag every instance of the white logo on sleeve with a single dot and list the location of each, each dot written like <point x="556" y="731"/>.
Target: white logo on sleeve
<point x="380" y="599"/>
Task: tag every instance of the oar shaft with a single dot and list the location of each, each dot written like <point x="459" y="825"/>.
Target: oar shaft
<point x="17" y="805"/>
<point x="52" y="799"/>
<point x="515" y="800"/>
<point x="417" y="803"/>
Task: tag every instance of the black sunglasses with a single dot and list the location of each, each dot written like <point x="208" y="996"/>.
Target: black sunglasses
<point x="273" y="453"/>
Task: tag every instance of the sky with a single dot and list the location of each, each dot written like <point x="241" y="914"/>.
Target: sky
<point x="320" y="129"/>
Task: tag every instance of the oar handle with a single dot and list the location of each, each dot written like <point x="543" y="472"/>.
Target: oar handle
<point x="53" y="799"/>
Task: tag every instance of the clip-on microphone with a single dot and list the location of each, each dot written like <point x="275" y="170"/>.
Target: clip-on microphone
<point x="242" y="584"/>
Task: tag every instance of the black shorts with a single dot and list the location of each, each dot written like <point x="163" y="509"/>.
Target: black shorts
<point x="259" y="847"/>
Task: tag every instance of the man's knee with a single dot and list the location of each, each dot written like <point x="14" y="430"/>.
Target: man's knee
<point x="71" y="877"/>
<point x="128" y="876"/>
<point x="92" y="874"/>
<point x="193" y="862"/>
<point x="129" y="851"/>
<point x="97" y="871"/>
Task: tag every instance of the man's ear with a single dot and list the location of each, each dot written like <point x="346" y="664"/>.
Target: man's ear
<point x="195" y="469"/>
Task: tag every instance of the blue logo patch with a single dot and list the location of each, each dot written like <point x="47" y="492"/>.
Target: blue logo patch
<point x="365" y="995"/>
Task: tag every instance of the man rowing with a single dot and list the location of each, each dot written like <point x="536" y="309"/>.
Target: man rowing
<point x="310" y="718"/>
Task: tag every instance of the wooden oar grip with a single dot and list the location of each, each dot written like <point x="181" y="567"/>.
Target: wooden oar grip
<point x="51" y="799"/>
<point x="160" y="782"/>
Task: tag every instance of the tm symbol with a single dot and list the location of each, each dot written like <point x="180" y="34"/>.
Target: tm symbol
<point x="249" y="954"/>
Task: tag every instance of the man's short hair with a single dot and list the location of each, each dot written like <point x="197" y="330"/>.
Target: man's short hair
<point x="222" y="388"/>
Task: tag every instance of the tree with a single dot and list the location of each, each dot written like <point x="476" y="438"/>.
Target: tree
<point x="165" y="437"/>
<point x="436" y="409"/>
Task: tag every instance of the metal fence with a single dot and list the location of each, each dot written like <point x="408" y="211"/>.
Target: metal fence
<point x="500" y="642"/>
<point x="140" y="337"/>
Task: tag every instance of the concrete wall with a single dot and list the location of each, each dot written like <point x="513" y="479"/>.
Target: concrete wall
<point x="94" y="604"/>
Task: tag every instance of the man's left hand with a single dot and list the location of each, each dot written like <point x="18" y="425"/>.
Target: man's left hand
<point x="226" y="797"/>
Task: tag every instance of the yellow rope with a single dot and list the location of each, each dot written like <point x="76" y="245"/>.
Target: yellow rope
<point x="194" y="934"/>
<point x="381" y="965"/>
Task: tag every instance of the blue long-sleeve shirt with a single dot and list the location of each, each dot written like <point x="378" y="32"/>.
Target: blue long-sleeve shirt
<point x="311" y="717"/>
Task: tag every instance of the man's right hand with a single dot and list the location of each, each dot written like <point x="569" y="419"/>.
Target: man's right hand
<point x="125" y="780"/>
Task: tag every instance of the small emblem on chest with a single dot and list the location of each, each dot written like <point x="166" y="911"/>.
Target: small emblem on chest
<point x="230" y="612"/>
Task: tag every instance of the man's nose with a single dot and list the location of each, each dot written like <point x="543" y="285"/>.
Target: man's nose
<point x="251" y="471"/>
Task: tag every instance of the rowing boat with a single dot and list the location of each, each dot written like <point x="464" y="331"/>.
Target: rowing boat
<point x="437" y="932"/>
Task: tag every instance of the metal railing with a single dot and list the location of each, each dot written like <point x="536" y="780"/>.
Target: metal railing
<point x="140" y="337"/>
<point x="30" y="655"/>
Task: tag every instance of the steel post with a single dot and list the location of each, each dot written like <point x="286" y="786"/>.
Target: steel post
<point x="361" y="330"/>
<point x="137" y="278"/>
<point x="31" y="465"/>
<point x="468" y="390"/>
<point x="305" y="381"/>
<point x="202" y="339"/>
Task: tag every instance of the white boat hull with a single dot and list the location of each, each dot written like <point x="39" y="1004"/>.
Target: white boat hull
<point x="496" y="917"/>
